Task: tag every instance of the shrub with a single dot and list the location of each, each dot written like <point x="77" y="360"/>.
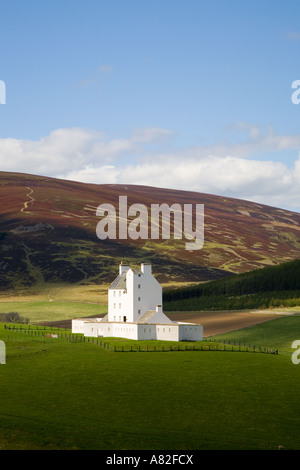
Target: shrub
<point x="12" y="317"/>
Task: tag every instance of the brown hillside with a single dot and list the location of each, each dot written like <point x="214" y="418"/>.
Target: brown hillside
<point x="48" y="234"/>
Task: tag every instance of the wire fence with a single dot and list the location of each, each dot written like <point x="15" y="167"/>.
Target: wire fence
<point x="209" y="344"/>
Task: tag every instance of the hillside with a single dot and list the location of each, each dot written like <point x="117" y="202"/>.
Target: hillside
<point x="267" y="287"/>
<point x="48" y="235"/>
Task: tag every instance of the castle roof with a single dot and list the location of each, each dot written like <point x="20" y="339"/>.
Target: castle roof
<point x="119" y="282"/>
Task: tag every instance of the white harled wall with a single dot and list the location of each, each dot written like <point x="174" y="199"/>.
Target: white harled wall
<point x="160" y="331"/>
<point x="143" y="292"/>
<point x="150" y="292"/>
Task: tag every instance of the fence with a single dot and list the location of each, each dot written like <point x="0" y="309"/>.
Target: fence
<point x="244" y="346"/>
<point x="209" y="344"/>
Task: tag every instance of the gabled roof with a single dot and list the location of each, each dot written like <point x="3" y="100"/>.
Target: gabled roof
<point x="136" y="271"/>
<point x="119" y="282"/>
<point x="147" y="316"/>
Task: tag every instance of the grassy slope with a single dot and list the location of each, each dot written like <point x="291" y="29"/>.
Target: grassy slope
<point x="267" y="287"/>
<point x="40" y="311"/>
<point x="278" y="334"/>
<point x="80" y="396"/>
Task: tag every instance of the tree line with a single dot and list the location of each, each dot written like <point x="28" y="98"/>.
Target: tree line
<point x="272" y="286"/>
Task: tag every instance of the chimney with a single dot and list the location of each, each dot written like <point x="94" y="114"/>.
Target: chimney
<point x="158" y="308"/>
<point x="123" y="267"/>
<point x="146" y="268"/>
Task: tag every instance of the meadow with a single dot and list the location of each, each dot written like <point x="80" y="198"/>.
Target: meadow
<point x="43" y="311"/>
<point x="59" y="394"/>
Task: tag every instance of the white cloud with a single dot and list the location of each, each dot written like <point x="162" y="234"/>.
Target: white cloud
<point x="226" y="169"/>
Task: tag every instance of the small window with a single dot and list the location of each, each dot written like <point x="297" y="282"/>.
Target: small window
<point x="139" y="286"/>
<point x="120" y="293"/>
<point x="139" y="312"/>
<point x="139" y="299"/>
<point x="114" y="305"/>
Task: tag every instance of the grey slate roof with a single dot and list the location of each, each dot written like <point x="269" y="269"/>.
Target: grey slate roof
<point x="146" y="317"/>
<point x="119" y="282"/>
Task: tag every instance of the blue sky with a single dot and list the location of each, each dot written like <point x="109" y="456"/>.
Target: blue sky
<point x="187" y="94"/>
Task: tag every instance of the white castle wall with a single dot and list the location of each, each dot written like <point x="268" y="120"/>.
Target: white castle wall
<point x="140" y="331"/>
<point x="136" y="296"/>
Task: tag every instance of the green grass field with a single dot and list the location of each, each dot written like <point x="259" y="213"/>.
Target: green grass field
<point x="277" y="334"/>
<point x="58" y="394"/>
<point x="43" y="311"/>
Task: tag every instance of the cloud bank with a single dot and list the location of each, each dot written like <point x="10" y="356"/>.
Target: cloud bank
<point x="147" y="157"/>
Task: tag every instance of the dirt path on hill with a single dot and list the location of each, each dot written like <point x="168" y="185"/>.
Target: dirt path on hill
<point x="31" y="199"/>
<point x="213" y="322"/>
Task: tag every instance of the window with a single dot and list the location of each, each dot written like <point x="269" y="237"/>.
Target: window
<point x="114" y="293"/>
<point x="114" y="305"/>
<point x="120" y="293"/>
<point x="139" y="299"/>
<point x="139" y="286"/>
<point x="120" y="305"/>
<point x="139" y="312"/>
